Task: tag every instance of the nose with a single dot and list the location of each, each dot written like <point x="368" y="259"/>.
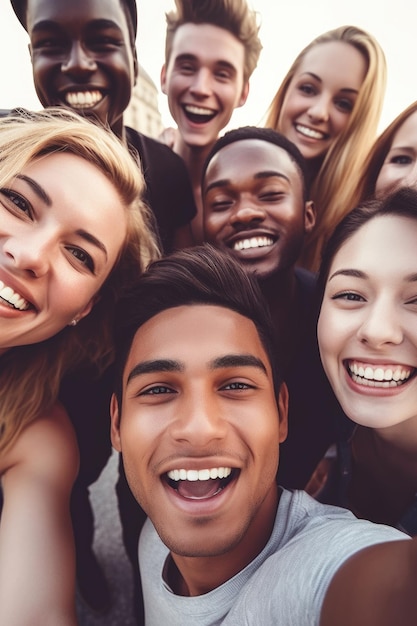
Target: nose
<point x="246" y="214"/>
<point x="28" y="255"/>
<point x="381" y="326"/>
<point x="201" y="83"/>
<point x="319" y="109"/>
<point x="78" y="62"/>
<point x="199" y="421"/>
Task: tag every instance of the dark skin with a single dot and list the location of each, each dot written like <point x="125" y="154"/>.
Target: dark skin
<point x="83" y="57"/>
<point x="253" y="189"/>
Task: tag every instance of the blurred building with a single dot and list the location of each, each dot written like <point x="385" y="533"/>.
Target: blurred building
<point x="142" y="112"/>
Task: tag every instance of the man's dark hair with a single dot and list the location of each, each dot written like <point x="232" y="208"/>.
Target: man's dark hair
<point x="201" y="275"/>
<point x="20" y="6"/>
<point x="264" y="134"/>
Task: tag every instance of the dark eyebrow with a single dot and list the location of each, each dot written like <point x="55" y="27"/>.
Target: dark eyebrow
<point x="154" y="366"/>
<point x="91" y="239"/>
<point x="348" y="272"/>
<point x="411" y="278"/>
<point x="99" y="23"/>
<point x="40" y="192"/>
<point x="186" y="56"/>
<point x="225" y="182"/>
<point x="344" y="89"/>
<point x="238" y="360"/>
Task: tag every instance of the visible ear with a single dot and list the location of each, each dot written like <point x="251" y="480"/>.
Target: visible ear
<point x="115" y="423"/>
<point x="244" y="94"/>
<point x="283" y="412"/>
<point x="309" y="216"/>
<point x="164" y="79"/>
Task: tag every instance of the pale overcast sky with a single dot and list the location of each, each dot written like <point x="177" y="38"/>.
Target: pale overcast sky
<point x="286" y="27"/>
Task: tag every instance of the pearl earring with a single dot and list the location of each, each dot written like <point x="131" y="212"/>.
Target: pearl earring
<point x="73" y="322"/>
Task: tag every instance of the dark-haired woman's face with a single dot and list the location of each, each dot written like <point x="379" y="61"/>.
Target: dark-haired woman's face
<point x="400" y="166"/>
<point x="367" y="328"/>
<point x="321" y="96"/>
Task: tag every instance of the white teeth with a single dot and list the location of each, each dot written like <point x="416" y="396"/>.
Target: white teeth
<point x="13" y="298"/>
<point x="83" y="99"/>
<point x="198" y="110"/>
<point x="253" y="242"/>
<point x="309" y="132"/>
<point x="204" y="474"/>
<point x="379" y="376"/>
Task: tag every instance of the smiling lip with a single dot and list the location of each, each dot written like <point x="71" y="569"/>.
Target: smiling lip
<point x="200" y="484"/>
<point x="311" y="133"/>
<point x="198" y="114"/>
<point x="83" y="99"/>
<point x="12" y="298"/>
<point x="378" y="376"/>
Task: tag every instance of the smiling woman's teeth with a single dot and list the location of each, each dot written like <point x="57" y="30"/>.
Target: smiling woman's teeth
<point x="12" y="298"/>
<point x="379" y="376"/>
<point x="309" y="132"/>
<point x="253" y="242"/>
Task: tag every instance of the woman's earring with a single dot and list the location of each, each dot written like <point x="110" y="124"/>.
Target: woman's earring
<point x="73" y="322"/>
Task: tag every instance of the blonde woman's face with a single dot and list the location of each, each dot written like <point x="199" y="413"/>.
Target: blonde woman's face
<point x="62" y="226"/>
<point x="321" y="96"/>
<point x="400" y="166"/>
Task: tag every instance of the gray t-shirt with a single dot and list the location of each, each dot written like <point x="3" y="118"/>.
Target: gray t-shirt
<point x="285" y="584"/>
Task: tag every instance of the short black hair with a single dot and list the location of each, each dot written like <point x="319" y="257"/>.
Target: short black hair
<point x="199" y="275"/>
<point x="264" y="134"/>
<point x="20" y="6"/>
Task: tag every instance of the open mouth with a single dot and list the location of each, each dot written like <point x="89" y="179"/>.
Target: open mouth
<point x="377" y="376"/>
<point x="12" y="299"/>
<point x="198" y="115"/>
<point x="83" y="99"/>
<point x="200" y="484"/>
<point x="251" y="243"/>
<point x="310" y="133"/>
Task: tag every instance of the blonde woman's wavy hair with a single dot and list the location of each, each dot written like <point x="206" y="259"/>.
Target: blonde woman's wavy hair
<point x="334" y="189"/>
<point x="235" y="16"/>
<point x="379" y="152"/>
<point x="30" y="375"/>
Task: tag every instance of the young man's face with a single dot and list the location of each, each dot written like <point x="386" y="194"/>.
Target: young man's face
<point x="200" y="429"/>
<point x="204" y="81"/>
<point x="82" y="56"/>
<point x="254" y="206"/>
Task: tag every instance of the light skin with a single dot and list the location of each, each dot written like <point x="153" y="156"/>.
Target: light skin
<point x="82" y="57"/>
<point x="204" y="83"/>
<point x="54" y="252"/>
<point x="37" y="475"/>
<point x="400" y="165"/>
<point x="367" y="325"/>
<point x="186" y="411"/>
<point x="254" y="206"/>
<point x="321" y="96"/>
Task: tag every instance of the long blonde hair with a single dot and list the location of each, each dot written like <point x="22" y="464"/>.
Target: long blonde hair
<point x="334" y="189"/>
<point x="30" y="375"/>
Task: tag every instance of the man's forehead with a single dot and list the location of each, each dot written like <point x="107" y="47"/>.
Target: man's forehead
<point x="197" y="334"/>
